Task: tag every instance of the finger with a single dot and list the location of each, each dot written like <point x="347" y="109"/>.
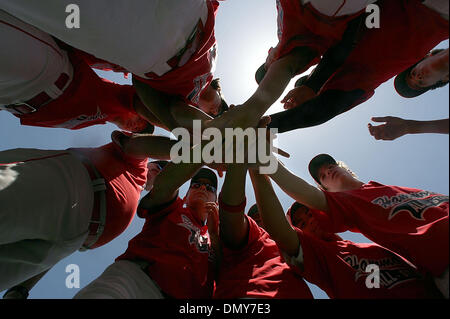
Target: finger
<point x="287" y="97"/>
<point x="281" y="152"/>
<point x="381" y="119"/>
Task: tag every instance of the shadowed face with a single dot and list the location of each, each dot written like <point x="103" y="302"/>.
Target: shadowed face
<point x="432" y="69"/>
<point x="198" y="195"/>
<point x="303" y="219"/>
<point x="210" y="101"/>
<point x="333" y="177"/>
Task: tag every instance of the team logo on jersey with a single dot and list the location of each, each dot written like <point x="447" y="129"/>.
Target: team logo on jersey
<point x="414" y="203"/>
<point x="196" y="238"/>
<point x="201" y="81"/>
<point x="83" y="119"/>
<point x="393" y="271"/>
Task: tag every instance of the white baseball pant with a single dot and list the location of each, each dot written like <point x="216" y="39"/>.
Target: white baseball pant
<point x="139" y="35"/>
<point x="30" y="62"/>
<point x="122" y="280"/>
<point x="46" y="206"/>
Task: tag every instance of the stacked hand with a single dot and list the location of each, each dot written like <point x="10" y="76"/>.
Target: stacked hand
<point x="298" y="96"/>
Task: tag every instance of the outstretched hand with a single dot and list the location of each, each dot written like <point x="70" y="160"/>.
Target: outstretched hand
<point x="298" y="96"/>
<point x="393" y="128"/>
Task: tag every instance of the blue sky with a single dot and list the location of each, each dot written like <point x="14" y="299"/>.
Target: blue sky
<point x="245" y="30"/>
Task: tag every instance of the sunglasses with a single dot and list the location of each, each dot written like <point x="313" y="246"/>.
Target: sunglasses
<point x="208" y="187"/>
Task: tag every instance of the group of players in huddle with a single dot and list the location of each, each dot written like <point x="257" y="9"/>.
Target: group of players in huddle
<point x="204" y="245"/>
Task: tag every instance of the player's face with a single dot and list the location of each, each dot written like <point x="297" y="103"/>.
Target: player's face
<point x="334" y="177"/>
<point x="153" y="171"/>
<point x="210" y="101"/>
<point x="199" y="194"/>
<point x="431" y="70"/>
<point x="303" y="219"/>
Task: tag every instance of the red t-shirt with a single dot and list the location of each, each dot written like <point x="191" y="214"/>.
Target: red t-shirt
<point x="408" y="31"/>
<point x="178" y="251"/>
<point x="256" y="271"/>
<point x="304" y="26"/>
<point x="125" y="177"/>
<point x="340" y="269"/>
<point x="191" y="79"/>
<point x="88" y="100"/>
<point x="410" y="222"/>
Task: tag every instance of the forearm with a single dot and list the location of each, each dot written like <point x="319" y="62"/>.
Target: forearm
<point x="145" y="113"/>
<point x="233" y="224"/>
<point x="156" y="147"/>
<point x="298" y="189"/>
<point x="420" y="127"/>
<point x="278" y="77"/>
<point x="336" y="55"/>
<point x="185" y="115"/>
<point x="170" y="179"/>
<point x="157" y="103"/>
<point x="314" y="112"/>
<point x="273" y="216"/>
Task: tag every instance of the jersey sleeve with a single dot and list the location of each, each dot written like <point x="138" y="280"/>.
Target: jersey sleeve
<point x="339" y="212"/>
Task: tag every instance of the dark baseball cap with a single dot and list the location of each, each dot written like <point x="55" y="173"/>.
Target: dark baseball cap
<point x="402" y="87"/>
<point x="260" y="73"/>
<point x="253" y="210"/>
<point x="293" y="209"/>
<point x="205" y="173"/>
<point x="317" y="162"/>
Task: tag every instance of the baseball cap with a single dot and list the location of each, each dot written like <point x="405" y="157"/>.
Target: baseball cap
<point x="223" y="107"/>
<point x="316" y="163"/>
<point x="253" y="210"/>
<point x="293" y="209"/>
<point x="260" y="73"/>
<point x="402" y="87"/>
<point x="205" y="173"/>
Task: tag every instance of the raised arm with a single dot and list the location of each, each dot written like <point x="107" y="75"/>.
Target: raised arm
<point x="170" y="111"/>
<point x="299" y="190"/>
<point x="167" y="183"/>
<point x="273" y="216"/>
<point x="316" y="111"/>
<point x="144" y="145"/>
<point x="396" y="127"/>
<point x="232" y="200"/>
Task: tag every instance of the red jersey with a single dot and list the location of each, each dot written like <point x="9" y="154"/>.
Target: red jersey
<point x="304" y="26"/>
<point x="124" y="177"/>
<point x="340" y="268"/>
<point x="409" y="30"/>
<point x="88" y="100"/>
<point x="192" y="78"/>
<point x="410" y="222"/>
<point x="256" y="271"/>
<point x="178" y="251"/>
